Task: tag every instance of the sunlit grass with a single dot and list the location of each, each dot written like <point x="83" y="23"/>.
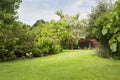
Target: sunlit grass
<point x="68" y="65"/>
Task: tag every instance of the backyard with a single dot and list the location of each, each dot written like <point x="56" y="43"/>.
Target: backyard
<point x="68" y="65"/>
<point x="60" y="40"/>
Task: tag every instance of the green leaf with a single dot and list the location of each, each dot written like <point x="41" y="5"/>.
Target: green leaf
<point x="116" y="30"/>
<point x="104" y="31"/>
<point x="117" y="17"/>
<point x="111" y="20"/>
<point x="113" y="47"/>
<point x="112" y="40"/>
<point x="118" y="38"/>
<point x="108" y="26"/>
<point x="94" y="30"/>
<point x="0" y="22"/>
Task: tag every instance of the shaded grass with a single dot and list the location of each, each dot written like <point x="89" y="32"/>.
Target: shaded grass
<point x="69" y="65"/>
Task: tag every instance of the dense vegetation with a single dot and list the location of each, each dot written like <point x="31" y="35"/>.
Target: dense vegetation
<point x="19" y="40"/>
<point x="104" y="25"/>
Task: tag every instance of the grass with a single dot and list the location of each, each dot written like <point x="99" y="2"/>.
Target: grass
<point x="69" y="65"/>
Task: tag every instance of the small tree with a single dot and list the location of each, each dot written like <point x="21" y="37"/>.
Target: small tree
<point x="75" y="28"/>
<point x="106" y="29"/>
<point x="111" y="29"/>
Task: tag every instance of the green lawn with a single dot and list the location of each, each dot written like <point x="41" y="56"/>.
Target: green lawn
<point x="68" y="65"/>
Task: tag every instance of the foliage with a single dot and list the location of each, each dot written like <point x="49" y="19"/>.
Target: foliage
<point x="7" y="49"/>
<point x="25" y="42"/>
<point x="16" y="41"/>
<point x="47" y="46"/>
<point x="7" y="18"/>
<point x="106" y="29"/>
<point x="75" y="27"/>
<point x="103" y="7"/>
<point x="19" y="40"/>
<point x="48" y="35"/>
<point x="8" y="11"/>
<point x="36" y="52"/>
<point x="112" y="27"/>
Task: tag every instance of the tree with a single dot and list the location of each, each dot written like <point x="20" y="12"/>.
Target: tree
<point x="75" y="27"/>
<point x="8" y="11"/>
<point x="111" y="29"/>
<point x="101" y="8"/>
<point x="25" y="41"/>
<point x="47" y="36"/>
<point x="94" y="28"/>
<point x="38" y="23"/>
<point x="7" y="19"/>
<point x="106" y="29"/>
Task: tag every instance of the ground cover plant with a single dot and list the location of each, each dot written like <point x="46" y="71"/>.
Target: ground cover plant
<point x="68" y="65"/>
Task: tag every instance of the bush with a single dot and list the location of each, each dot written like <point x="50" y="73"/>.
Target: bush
<point x="103" y="51"/>
<point x="36" y="52"/>
<point x="47" y="46"/>
<point x="56" y="49"/>
<point x="110" y="31"/>
<point x="22" y="49"/>
<point x="6" y="54"/>
<point x="7" y="50"/>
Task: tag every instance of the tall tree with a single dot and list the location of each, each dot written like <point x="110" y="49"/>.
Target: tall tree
<point x="105" y="27"/>
<point x="101" y="8"/>
<point x="8" y="15"/>
<point x="75" y="28"/>
<point x="111" y="29"/>
<point x="8" y="11"/>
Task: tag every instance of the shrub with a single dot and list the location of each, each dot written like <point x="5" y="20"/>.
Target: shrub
<point x="36" y="52"/>
<point x="7" y="50"/>
<point x="110" y="31"/>
<point x="56" y="49"/>
<point x="47" y="46"/>
<point x="6" y="54"/>
<point x="103" y="51"/>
